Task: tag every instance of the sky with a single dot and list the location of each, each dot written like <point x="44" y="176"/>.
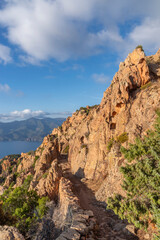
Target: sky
<point x="59" y="55"/>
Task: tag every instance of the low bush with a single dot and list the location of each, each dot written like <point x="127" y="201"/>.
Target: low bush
<point x="119" y="139"/>
<point x="22" y="206"/>
<point x="122" y="138"/>
<point x="140" y="46"/>
<point x="141" y="206"/>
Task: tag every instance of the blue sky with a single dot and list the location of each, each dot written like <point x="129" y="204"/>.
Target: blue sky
<point x="59" y="55"/>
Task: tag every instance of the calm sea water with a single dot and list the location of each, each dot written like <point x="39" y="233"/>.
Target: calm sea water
<point x="17" y="147"/>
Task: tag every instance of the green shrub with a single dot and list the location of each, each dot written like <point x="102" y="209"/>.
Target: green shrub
<point x="141" y="181"/>
<point x="84" y="110"/>
<point x="13" y="156"/>
<point x="147" y="85"/>
<point x="45" y="175"/>
<point x="87" y="109"/>
<point x="94" y="106"/>
<point x="24" y="207"/>
<point x="119" y="139"/>
<point x="36" y="158"/>
<point x="66" y="150"/>
<point x="110" y="144"/>
<point x="51" y="138"/>
<point x="122" y="138"/>
<point x="140" y="46"/>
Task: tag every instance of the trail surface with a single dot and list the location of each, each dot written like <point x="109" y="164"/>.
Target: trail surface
<point x="108" y="225"/>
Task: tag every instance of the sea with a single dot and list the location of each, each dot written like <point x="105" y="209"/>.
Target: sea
<point x="17" y="147"/>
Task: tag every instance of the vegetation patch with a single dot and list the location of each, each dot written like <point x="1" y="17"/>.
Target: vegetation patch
<point x="87" y="109"/>
<point x="84" y="110"/>
<point x="45" y="175"/>
<point x="21" y="208"/>
<point x="141" y="47"/>
<point x="110" y="144"/>
<point x="35" y="160"/>
<point x="13" y="156"/>
<point x="147" y="85"/>
<point x="66" y="150"/>
<point x="122" y="138"/>
<point x="141" y="206"/>
<point x="51" y="138"/>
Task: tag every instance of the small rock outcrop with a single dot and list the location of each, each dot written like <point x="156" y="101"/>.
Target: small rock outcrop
<point x="10" y="233"/>
<point x="48" y="185"/>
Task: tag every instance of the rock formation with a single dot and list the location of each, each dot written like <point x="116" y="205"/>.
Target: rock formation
<point x="10" y="233"/>
<point x="77" y="165"/>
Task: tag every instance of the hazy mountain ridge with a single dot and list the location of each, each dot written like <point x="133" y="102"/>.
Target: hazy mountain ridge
<point x="32" y="129"/>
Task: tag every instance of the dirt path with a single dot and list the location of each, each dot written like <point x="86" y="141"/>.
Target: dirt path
<point x="108" y="227"/>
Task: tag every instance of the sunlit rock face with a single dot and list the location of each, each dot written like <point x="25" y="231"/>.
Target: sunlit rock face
<point x="80" y="148"/>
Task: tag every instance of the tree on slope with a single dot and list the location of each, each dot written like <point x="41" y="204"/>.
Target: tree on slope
<point x="141" y="206"/>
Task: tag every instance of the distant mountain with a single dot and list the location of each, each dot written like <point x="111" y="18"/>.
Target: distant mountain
<point x="32" y="129"/>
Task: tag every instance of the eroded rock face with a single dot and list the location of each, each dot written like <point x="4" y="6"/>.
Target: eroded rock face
<point x="10" y="233"/>
<point x="49" y="183"/>
<point x="128" y="106"/>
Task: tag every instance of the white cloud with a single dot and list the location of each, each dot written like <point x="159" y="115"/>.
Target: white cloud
<point x="64" y="29"/>
<point x="5" y="54"/>
<point x="148" y="34"/>
<point x="28" y="113"/>
<point x="101" y="78"/>
<point x="4" y="88"/>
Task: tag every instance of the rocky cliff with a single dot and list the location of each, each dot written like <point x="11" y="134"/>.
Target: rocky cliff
<point x="77" y="165"/>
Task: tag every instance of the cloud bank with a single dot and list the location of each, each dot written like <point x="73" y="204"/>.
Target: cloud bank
<point x="69" y="29"/>
<point x="28" y="113"/>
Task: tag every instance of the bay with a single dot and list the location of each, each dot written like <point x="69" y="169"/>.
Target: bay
<point x="17" y="147"/>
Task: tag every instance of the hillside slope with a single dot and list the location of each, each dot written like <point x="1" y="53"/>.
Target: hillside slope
<point x="32" y="129"/>
<point x="77" y="166"/>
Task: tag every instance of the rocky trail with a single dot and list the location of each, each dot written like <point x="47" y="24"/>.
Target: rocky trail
<point x="108" y="226"/>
